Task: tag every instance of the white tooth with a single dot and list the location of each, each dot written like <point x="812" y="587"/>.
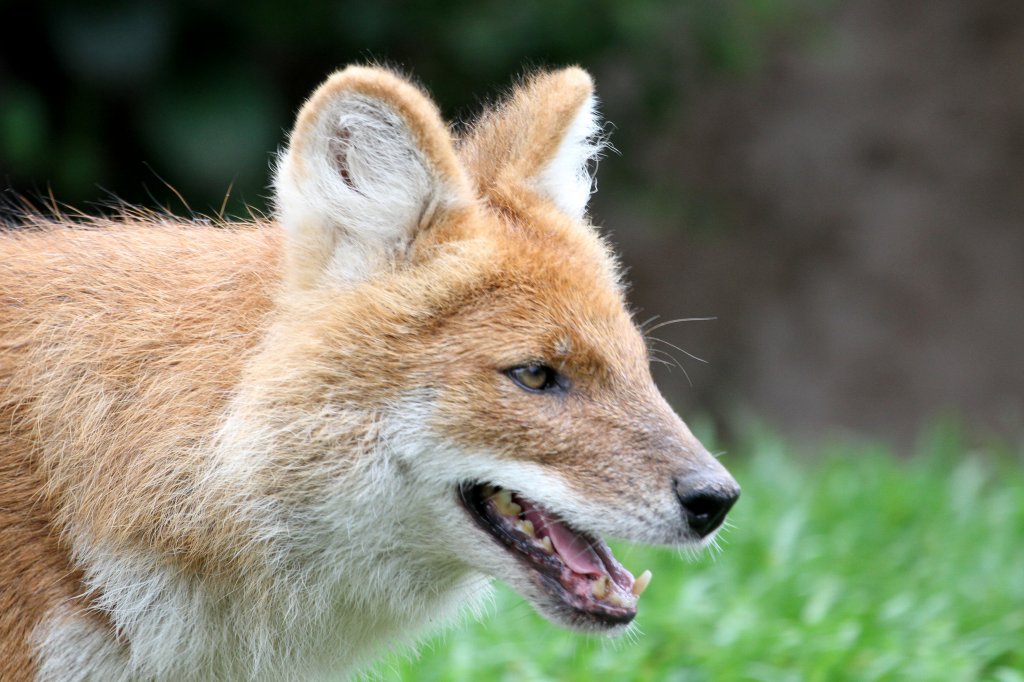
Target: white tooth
<point x="641" y="583"/>
<point x="600" y="587"/>
<point x="545" y="542"/>
<point x="527" y="527"/>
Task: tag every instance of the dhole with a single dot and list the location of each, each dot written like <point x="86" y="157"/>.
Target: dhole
<point x="270" y="450"/>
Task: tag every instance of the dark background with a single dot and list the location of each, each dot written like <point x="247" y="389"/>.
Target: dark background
<point x="840" y="184"/>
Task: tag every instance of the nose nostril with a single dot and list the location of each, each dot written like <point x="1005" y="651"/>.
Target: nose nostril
<point x="705" y="508"/>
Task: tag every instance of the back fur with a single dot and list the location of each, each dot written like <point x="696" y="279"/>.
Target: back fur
<point x="120" y="344"/>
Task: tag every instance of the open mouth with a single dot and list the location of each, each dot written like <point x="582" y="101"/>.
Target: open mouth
<point x="577" y="569"/>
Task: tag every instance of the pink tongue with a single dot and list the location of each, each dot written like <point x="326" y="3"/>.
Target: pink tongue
<point x="574" y="550"/>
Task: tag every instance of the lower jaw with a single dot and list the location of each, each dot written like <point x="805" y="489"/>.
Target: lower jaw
<point x="555" y="607"/>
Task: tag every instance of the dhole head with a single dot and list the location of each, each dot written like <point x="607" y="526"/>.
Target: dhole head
<point x="454" y="290"/>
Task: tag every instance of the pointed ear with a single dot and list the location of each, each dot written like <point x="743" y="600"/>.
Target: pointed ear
<point x="369" y="164"/>
<point x="546" y="136"/>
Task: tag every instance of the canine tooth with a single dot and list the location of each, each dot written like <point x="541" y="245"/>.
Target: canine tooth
<point x="503" y="502"/>
<point x="527" y="527"/>
<point x="545" y="542"/>
<point x="615" y="599"/>
<point x="641" y="583"/>
<point x="600" y="587"/>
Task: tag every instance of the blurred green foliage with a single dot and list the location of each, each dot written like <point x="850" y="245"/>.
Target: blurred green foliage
<point x="129" y="99"/>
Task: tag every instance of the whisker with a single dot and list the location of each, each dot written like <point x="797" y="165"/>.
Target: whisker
<point x="678" y="319"/>
<point x="647" y="322"/>
<point x="675" y="361"/>
<point x="661" y="361"/>
<point x="715" y="548"/>
<point x="685" y="352"/>
<point x="662" y="356"/>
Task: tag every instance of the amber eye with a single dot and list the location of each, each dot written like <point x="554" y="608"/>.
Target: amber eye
<point x="534" y="377"/>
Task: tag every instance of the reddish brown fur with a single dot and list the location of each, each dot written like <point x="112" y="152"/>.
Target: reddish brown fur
<point x="35" y="570"/>
<point x="148" y="323"/>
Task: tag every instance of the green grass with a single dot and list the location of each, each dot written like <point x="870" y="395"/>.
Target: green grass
<point x="852" y="565"/>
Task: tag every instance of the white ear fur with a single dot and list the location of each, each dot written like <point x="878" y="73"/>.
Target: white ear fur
<point x="353" y="187"/>
<point x="568" y="177"/>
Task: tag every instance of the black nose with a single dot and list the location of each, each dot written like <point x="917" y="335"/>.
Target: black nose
<point x="706" y="504"/>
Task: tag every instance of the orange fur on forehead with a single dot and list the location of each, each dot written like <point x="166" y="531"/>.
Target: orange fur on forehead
<point x="553" y="286"/>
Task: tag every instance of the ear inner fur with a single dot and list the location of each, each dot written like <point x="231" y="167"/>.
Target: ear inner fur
<point x="410" y="102"/>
